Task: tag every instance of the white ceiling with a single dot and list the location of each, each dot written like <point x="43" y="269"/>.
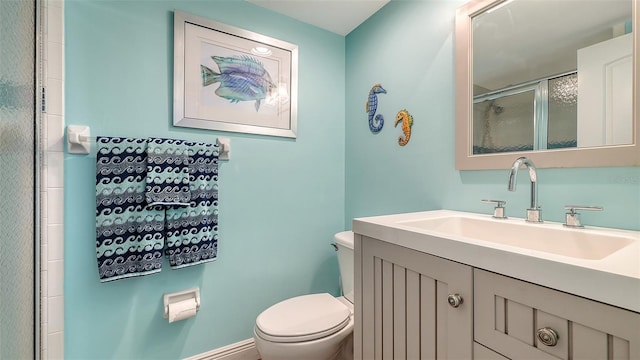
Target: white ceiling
<point x="526" y="40"/>
<point x="338" y="16"/>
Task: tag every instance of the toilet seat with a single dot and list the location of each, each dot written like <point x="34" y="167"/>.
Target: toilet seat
<point x="303" y="318"/>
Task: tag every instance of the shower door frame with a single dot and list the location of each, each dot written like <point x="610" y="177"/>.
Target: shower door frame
<point x="38" y="170"/>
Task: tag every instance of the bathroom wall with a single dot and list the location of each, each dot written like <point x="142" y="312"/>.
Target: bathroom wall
<point x="281" y="200"/>
<point x="408" y="47"/>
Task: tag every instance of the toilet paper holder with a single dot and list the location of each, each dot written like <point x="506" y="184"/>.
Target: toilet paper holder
<point x="175" y="297"/>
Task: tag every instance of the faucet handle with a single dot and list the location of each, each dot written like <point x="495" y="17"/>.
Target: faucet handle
<point x="498" y="211"/>
<point x="572" y="218"/>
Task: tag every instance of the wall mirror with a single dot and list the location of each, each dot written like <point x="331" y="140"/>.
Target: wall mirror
<point x="553" y="80"/>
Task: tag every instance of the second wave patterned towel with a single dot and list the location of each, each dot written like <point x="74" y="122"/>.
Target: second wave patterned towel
<point x="192" y="231"/>
<point x="167" y="172"/>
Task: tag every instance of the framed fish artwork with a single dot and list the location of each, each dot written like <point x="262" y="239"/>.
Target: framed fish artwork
<point x="230" y="79"/>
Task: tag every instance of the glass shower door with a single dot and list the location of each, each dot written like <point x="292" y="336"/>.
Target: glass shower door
<point x="17" y="179"/>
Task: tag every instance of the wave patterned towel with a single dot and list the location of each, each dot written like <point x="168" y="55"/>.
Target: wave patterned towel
<point x="129" y="235"/>
<point x="192" y="231"/>
<point x="167" y="172"/>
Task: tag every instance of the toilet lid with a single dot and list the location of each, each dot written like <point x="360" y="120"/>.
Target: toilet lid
<point x="303" y="318"/>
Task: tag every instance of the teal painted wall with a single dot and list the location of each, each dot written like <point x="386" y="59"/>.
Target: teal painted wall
<point x="408" y="47"/>
<point x="281" y="200"/>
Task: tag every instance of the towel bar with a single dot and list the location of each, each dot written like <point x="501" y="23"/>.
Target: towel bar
<point x="79" y="141"/>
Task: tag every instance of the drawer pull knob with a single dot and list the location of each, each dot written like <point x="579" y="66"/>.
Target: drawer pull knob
<point x="454" y="300"/>
<point x="547" y="336"/>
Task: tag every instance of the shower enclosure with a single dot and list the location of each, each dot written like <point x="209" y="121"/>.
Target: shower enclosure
<point x="538" y="115"/>
<point x="19" y="205"/>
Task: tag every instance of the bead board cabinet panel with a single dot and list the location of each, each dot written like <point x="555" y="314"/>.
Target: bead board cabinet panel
<point x="404" y="311"/>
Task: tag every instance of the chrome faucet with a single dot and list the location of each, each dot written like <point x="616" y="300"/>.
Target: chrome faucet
<point x="533" y="213"/>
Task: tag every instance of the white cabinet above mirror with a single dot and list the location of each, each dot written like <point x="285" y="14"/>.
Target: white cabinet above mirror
<point x="549" y="80"/>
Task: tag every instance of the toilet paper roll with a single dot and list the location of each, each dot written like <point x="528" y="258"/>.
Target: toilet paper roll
<point x="182" y="310"/>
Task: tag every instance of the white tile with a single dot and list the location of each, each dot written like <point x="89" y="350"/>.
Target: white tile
<point x="55" y="3"/>
<point x="43" y="180"/>
<point x="44" y="127"/>
<point x="55" y="166"/>
<point x="55" y="133"/>
<point x="44" y="279"/>
<point x="44" y="253"/>
<point x="56" y="314"/>
<point x="44" y="337"/>
<point x="43" y="199"/>
<point x="44" y="206"/>
<point x="55" y="24"/>
<point x="55" y="205"/>
<point x="56" y="272"/>
<point x="55" y="105"/>
<point x="54" y="60"/>
<point x="44" y="308"/>
<point x="44" y="230"/>
<point x="56" y="241"/>
<point x="56" y="346"/>
<point x="45" y="24"/>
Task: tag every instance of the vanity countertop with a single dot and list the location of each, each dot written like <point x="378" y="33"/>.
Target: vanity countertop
<point x="614" y="279"/>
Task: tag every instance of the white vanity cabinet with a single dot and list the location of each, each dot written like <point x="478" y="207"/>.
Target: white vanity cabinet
<point x="402" y="312"/>
<point x="402" y="306"/>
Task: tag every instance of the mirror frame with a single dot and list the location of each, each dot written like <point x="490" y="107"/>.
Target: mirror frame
<point x="615" y="155"/>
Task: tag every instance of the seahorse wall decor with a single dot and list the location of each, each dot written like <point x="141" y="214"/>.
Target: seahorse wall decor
<point x="407" y="122"/>
<point x="375" y="121"/>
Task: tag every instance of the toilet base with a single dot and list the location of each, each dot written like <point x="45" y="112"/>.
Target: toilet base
<point x="346" y="350"/>
<point x="338" y="346"/>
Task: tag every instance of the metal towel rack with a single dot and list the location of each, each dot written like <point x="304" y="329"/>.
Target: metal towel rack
<point x="79" y="141"/>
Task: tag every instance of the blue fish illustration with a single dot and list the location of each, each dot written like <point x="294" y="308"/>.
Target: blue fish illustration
<point x="241" y="78"/>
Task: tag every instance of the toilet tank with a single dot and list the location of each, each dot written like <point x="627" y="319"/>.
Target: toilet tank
<point x="344" y="243"/>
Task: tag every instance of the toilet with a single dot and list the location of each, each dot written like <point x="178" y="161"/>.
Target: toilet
<point x="312" y="327"/>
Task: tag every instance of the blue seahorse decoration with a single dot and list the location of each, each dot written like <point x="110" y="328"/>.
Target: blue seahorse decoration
<point x="375" y="121"/>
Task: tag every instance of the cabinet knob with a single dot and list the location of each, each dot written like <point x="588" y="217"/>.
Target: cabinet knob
<point x="454" y="300"/>
<point x="547" y="336"/>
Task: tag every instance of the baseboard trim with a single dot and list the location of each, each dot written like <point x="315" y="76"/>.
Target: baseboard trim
<point x="242" y="350"/>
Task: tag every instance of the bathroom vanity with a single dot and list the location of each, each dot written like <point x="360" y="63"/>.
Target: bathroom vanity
<point x="454" y="285"/>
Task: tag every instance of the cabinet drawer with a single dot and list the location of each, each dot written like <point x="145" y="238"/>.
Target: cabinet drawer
<point x="509" y="313"/>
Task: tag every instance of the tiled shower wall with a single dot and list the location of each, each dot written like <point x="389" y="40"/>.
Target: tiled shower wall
<point x="52" y="184"/>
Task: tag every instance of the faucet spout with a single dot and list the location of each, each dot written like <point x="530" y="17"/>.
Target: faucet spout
<point x="533" y="213"/>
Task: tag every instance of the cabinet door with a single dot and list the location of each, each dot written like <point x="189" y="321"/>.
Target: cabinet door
<point x="482" y="353"/>
<point x="509" y="313"/>
<point x="405" y="312"/>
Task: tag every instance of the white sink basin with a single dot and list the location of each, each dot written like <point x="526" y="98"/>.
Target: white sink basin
<point x="550" y="238"/>
<point x="594" y="262"/>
